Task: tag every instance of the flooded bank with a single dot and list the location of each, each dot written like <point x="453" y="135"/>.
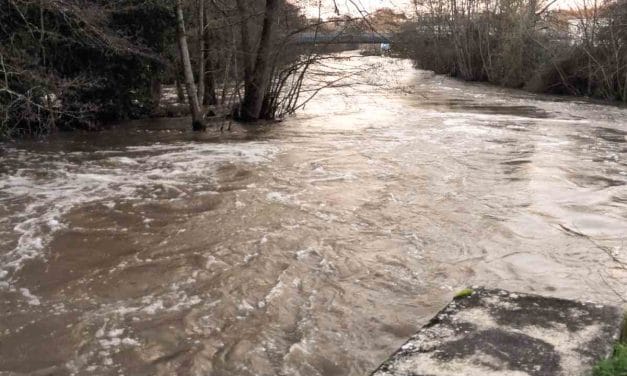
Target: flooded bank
<point x="312" y="247"/>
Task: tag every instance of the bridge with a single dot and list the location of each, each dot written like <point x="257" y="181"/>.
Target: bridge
<point x="341" y="38"/>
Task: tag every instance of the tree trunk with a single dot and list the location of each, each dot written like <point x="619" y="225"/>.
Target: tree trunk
<point x="201" y="49"/>
<point x="180" y="95"/>
<point x="245" y="40"/>
<point x="255" y="90"/>
<point x="210" y="84"/>
<point x="194" y="105"/>
<point x="155" y="94"/>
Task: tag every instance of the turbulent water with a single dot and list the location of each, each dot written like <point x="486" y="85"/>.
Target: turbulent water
<point x="311" y="247"/>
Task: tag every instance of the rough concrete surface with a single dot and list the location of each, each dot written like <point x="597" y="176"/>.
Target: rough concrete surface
<point x="495" y="332"/>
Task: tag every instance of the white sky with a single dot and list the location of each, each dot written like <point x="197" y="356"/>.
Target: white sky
<point x="348" y="6"/>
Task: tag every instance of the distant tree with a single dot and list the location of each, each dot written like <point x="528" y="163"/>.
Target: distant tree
<point x="522" y="44"/>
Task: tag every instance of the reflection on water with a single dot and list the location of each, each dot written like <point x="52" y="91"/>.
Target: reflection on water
<point x="313" y="247"/>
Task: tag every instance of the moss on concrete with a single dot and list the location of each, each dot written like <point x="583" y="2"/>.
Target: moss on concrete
<point x="463" y="293"/>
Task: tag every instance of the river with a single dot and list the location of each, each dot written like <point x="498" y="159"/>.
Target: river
<point x="314" y="246"/>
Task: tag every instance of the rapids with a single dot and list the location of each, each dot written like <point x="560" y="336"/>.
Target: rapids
<point x="314" y="246"/>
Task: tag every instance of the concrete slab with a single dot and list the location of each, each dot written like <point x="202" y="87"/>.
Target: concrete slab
<point x="495" y="332"/>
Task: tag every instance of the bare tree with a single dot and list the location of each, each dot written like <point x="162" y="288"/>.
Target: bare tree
<point x="209" y="97"/>
<point x="257" y="86"/>
<point x="201" y="49"/>
<point x="192" y="94"/>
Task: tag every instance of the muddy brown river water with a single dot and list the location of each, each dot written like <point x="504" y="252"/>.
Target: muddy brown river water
<point x="311" y="247"/>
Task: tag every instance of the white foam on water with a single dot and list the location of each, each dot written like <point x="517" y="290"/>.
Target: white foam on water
<point x="278" y="197"/>
<point x="348" y="176"/>
<point x="250" y="256"/>
<point x="115" y="332"/>
<point x="462" y="118"/>
<point x="153" y="308"/>
<point x="128" y="341"/>
<point x="30" y="298"/>
<point x="276" y="290"/>
<point x="107" y="176"/>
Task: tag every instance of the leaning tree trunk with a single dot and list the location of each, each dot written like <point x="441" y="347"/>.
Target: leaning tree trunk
<point x="256" y="89"/>
<point x="194" y="104"/>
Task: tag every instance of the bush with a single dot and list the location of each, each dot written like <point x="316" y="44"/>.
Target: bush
<point x="513" y="43"/>
<point x="77" y="63"/>
<point x="614" y="366"/>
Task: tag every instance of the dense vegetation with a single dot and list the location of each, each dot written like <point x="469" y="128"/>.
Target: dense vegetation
<point x="70" y="64"/>
<point x="80" y="63"/>
<point x="521" y="44"/>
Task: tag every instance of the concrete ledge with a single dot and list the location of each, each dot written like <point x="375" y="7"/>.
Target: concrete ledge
<point x="495" y="332"/>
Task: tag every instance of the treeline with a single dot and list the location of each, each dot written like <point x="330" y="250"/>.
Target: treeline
<point x="79" y="63"/>
<point x="522" y="44"/>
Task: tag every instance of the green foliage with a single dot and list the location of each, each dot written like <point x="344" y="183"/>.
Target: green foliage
<point x="614" y="366"/>
<point x="464" y="293"/>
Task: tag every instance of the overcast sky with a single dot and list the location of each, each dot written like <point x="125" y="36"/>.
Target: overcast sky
<point x="348" y="6"/>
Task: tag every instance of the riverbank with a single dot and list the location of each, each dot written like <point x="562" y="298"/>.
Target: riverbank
<point x="537" y="85"/>
<point x="579" y="52"/>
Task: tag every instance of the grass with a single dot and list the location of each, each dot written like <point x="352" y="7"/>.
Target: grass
<point x="616" y="365"/>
